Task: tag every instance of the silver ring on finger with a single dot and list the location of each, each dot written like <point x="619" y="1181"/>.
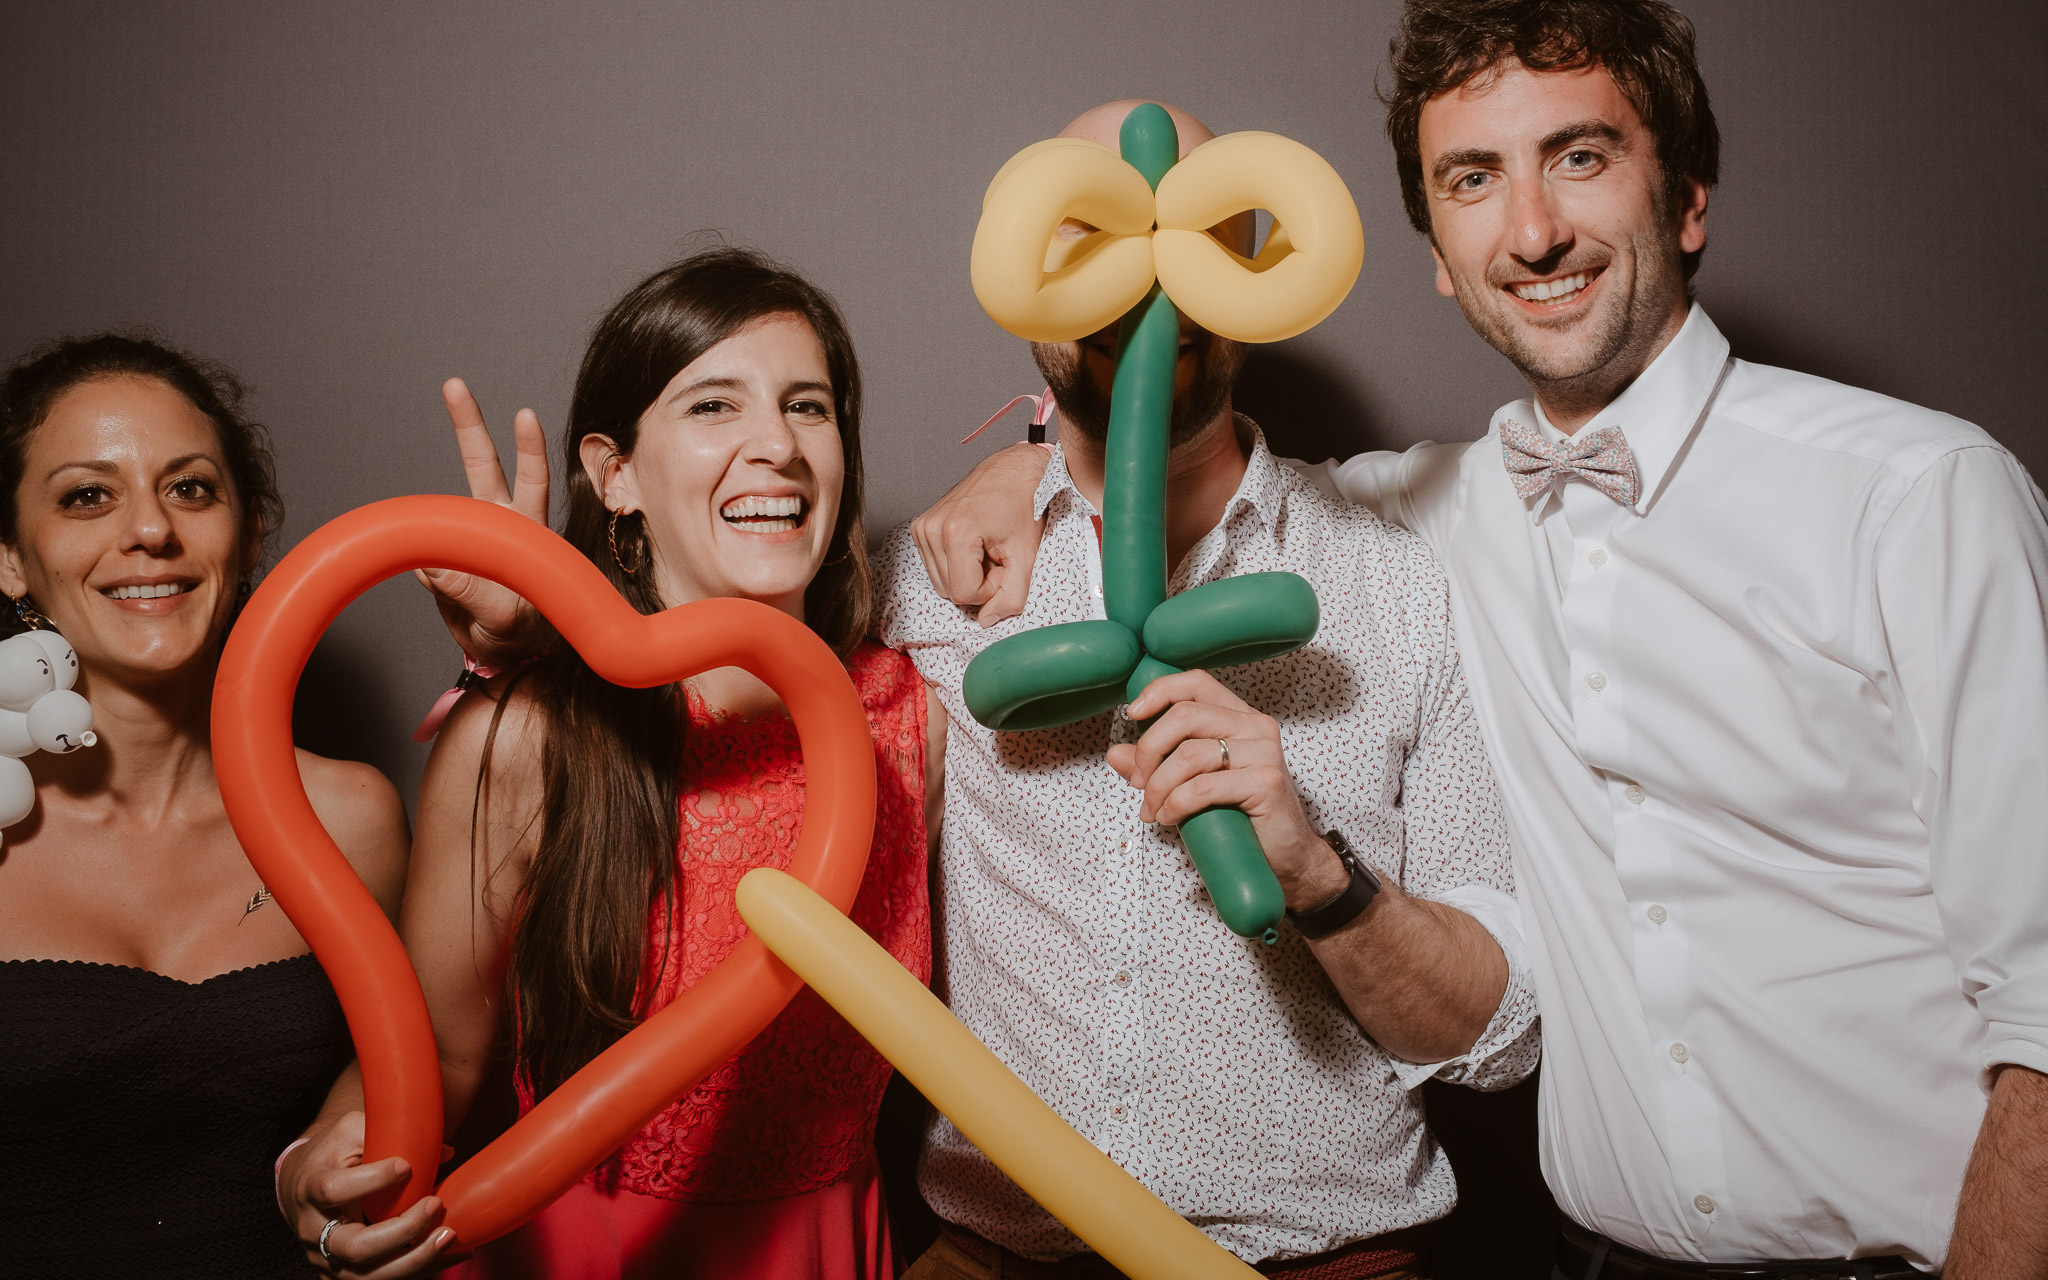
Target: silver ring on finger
<point x="1223" y="745"/>
<point x="325" y="1232"/>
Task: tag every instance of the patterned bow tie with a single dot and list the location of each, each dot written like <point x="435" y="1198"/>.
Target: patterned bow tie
<point x="1602" y="460"/>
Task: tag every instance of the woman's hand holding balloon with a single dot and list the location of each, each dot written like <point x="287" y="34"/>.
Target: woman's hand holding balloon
<point x="324" y="1180"/>
<point x="1181" y="765"/>
<point x="490" y="622"/>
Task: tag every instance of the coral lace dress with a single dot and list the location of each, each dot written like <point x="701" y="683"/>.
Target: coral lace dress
<point x="767" y="1169"/>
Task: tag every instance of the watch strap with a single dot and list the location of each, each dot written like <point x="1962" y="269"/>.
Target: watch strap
<point x="1356" y="896"/>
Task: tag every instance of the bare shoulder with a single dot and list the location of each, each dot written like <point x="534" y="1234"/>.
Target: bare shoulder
<point x="362" y="811"/>
<point x="501" y="726"/>
<point x="486" y="776"/>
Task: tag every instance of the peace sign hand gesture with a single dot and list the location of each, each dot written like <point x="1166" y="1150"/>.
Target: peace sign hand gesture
<point x="490" y="622"/>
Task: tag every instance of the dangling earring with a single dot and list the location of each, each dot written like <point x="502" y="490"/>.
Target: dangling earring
<point x="639" y="553"/>
<point x="31" y="619"/>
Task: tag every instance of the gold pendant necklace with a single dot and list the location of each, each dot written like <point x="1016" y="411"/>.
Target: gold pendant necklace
<point x="256" y="900"/>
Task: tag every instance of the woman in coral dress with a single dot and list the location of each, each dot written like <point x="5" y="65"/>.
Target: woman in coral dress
<point x="767" y="1169"/>
<point x="579" y="844"/>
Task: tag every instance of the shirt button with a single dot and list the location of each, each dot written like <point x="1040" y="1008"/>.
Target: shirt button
<point x="1635" y="794"/>
<point x="1705" y="1204"/>
<point x="1597" y="557"/>
<point x="1596" y="682"/>
<point x="1658" y="915"/>
<point x="1122" y="978"/>
<point x="1679" y="1053"/>
<point x="1117" y="1111"/>
<point x="1098" y="591"/>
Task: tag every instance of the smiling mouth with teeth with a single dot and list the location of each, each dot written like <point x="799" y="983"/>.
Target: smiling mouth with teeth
<point x="765" y="515"/>
<point x="152" y="591"/>
<point x="1562" y="290"/>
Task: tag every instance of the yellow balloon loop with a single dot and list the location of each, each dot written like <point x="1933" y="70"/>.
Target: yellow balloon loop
<point x="1046" y="284"/>
<point x="1093" y="280"/>
<point x="1309" y="262"/>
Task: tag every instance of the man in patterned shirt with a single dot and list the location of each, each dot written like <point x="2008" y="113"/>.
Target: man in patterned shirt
<point x="1266" y="1093"/>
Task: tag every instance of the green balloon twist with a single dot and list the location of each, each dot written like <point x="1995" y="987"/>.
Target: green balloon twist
<point x="1060" y="674"/>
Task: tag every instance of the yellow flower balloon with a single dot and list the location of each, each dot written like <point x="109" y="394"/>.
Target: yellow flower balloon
<point x="1047" y="289"/>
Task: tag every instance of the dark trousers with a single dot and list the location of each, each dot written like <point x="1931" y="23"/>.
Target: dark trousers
<point x="1504" y="1228"/>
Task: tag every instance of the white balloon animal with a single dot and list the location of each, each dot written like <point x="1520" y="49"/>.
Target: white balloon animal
<point x="38" y="712"/>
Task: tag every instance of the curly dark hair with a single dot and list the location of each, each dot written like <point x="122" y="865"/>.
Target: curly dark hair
<point x="31" y="388"/>
<point x="1646" y="45"/>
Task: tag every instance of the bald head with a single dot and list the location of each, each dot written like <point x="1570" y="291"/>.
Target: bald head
<point x="1104" y="125"/>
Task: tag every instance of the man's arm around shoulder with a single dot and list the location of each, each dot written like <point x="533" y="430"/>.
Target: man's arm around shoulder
<point x="1415" y="488"/>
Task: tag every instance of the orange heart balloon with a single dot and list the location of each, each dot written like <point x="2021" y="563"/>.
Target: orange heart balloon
<point x="579" y="1124"/>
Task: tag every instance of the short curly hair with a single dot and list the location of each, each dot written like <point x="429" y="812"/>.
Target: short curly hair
<point x="32" y="387"/>
<point x="1646" y="45"/>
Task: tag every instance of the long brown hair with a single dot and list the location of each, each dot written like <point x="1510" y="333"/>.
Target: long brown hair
<point x="612" y="757"/>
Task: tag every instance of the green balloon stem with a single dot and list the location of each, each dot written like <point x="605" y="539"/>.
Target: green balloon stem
<point x="1148" y="141"/>
<point x="1134" y="463"/>
<point x="1234" y="869"/>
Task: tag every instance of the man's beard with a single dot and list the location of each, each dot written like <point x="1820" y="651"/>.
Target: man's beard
<point x="1620" y="324"/>
<point x="1085" y="406"/>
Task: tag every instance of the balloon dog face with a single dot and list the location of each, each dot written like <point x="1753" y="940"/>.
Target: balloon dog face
<point x="130" y="537"/>
<point x="738" y="469"/>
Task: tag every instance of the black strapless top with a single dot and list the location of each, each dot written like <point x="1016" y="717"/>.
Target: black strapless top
<point x="140" y="1116"/>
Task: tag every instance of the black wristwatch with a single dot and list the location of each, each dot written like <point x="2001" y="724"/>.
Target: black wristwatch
<point x="1322" y="921"/>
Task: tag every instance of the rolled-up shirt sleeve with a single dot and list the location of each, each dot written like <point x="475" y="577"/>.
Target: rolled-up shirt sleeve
<point x="1962" y="592"/>
<point x="1458" y="855"/>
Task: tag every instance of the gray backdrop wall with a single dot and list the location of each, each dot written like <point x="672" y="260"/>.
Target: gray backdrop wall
<point x="349" y="203"/>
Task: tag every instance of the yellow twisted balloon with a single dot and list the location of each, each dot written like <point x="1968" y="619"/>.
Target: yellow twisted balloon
<point x="1118" y="1218"/>
<point x="1046" y="289"/>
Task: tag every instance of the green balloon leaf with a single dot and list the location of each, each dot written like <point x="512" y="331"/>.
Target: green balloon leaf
<point x="1051" y="676"/>
<point x="1234" y="621"/>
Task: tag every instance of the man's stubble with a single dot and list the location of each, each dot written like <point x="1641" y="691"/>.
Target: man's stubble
<point x="1085" y="405"/>
<point x="1622" y="336"/>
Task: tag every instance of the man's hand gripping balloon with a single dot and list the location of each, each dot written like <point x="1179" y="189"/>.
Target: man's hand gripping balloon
<point x="1150" y="253"/>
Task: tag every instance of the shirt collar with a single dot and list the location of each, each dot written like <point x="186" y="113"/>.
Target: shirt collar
<point x="1259" y="489"/>
<point x="1658" y="412"/>
<point x="1056" y="481"/>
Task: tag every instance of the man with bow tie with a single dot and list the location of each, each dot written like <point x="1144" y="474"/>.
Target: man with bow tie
<point x="1762" y="664"/>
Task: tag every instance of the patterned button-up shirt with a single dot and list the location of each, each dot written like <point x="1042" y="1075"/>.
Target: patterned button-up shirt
<point x="1077" y="943"/>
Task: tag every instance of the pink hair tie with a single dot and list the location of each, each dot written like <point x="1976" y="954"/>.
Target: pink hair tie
<point x="1043" y="407"/>
<point x="473" y="675"/>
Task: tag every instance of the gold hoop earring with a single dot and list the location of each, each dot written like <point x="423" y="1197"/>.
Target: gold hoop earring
<point x="639" y="553"/>
<point x="25" y="610"/>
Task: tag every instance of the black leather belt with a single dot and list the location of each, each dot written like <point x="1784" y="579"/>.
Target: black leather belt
<point x="1587" y="1255"/>
<point x="1359" y="1260"/>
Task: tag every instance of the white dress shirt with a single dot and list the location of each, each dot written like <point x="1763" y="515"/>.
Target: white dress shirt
<point x="1077" y="943"/>
<point x="1773" y="745"/>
